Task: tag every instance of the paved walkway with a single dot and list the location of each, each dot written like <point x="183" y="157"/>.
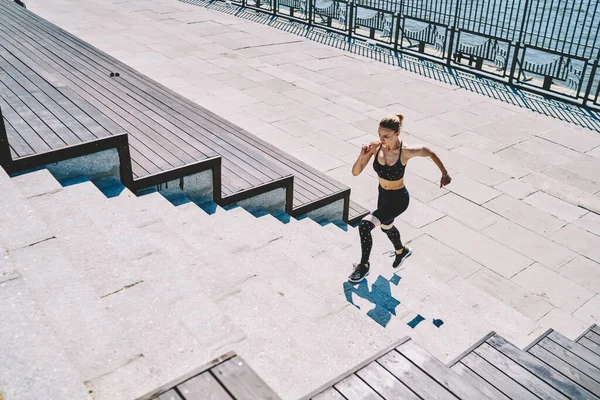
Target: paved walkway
<point x="524" y="204"/>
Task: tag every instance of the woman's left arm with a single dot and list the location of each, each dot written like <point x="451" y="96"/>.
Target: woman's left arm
<point x="423" y="151"/>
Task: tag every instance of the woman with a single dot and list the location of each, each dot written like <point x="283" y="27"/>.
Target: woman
<point x="391" y="157"/>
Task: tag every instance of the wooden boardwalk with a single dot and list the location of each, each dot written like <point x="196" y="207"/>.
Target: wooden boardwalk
<point x="226" y="378"/>
<point x="57" y="92"/>
<point x="552" y="367"/>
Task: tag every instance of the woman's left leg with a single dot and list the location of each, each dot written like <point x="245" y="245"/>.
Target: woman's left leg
<point x="402" y="252"/>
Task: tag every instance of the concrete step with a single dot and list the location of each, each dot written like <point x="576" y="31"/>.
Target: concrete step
<point x="16" y="212"/>
<point x="37" y="364"/>
<point x="149" y="301"/>
<point x="417" y="272"/>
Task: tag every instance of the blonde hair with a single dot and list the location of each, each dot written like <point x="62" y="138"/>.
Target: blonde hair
<point x="393" y="122"/>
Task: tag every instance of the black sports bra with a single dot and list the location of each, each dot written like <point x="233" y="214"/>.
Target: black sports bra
<point x="389" y="172"/>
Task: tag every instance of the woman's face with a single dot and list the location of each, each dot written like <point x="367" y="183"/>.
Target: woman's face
<point x="388" y="137"/>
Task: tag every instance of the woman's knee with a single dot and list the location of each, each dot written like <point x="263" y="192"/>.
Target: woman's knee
<point x="365" y="226"/>
<point x="387" y="227"/>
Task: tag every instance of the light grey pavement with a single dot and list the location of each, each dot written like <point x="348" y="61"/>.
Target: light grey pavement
<point x="521" y="219"/>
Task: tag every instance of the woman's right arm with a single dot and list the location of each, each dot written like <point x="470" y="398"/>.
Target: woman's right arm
<point x="366" y="151"/>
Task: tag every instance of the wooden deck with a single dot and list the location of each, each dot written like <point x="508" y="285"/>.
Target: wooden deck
<point x="591" y="339"/>
<point x="226" y="378"/>
<point x="552" y="367"/>
<point x="57" y="92"/>
<point x="403" y="371"/>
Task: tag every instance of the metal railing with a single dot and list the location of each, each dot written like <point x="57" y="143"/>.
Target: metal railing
<point x="550" y="47"/>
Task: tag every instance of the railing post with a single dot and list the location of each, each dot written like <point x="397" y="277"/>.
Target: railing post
<point x="513" y="66"/>
<point x="397" y="37"/>
<point x="350" y="19"/>
<point x="588" y="90"/>
<point x="522" y="30"/>
<point x="450" y="46"/>
<point x="310" y="12"/>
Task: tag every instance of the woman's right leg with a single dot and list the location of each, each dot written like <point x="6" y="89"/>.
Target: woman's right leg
<point x="366" y="244"/>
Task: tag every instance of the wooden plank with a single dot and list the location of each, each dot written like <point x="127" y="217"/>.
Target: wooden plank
<point x="41" y="112"/>
<point x="241" y="381"/>
<point x="357" y="367"/>
<point x="250" y="162"/>
<point x="38" y="126"/>
<point x="484" y="386"/>
<point x="438" y="371"/>
<point x="17" y="143"/>
<point x="140" y="165"/>
<point x="555" y="379"/>
<point x="596" y="329"/>
<point x="190" y="374"/>
<point x="575" y="348"/>
<point x="564" y="367"/>
<point x="170" y="395"/>
<point x="571" y="358"/>
<point x="386" y="384"/>
<point x="57" y="104"/>
<point x="248" y="171"/>
<point x="33" y="140"/>
<point x="497" y="377"/>
<point x="203" y="386"/>
<point x="22" y="74"/>
<point x="518" y="372"/>
<point x="587" y="343"/>
<point x="593" y="336"/>
<point x="329" y="394"/>
<point x="36" y="63"/>
<point x="107" y="105"/>
<point x="353" y="388"/>
<point x="411" y="376"/>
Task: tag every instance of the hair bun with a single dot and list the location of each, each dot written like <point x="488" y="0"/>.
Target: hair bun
<point x="400" y="117"/>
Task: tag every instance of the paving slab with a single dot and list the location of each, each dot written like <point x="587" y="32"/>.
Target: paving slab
<point x="579" y="240"/>
<point x="516" y="188"/>
<point x="589" y="311"/>
<point x="525" y="215"/>
<point x="555" y="206"/>
<point x="465" y="211"/>
<point x="558" y="290"/>
<point x="530" y="244"/>
<point x="563" y="322"/>
<point x="477" y="246"/>
<point x="583" y="271"/>
<point x="510" y="293"/>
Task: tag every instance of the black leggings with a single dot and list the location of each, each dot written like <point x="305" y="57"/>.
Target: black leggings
<point x="390" y="204"/>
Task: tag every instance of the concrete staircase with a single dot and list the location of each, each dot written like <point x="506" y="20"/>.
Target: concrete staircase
<point x="111" y="298"/>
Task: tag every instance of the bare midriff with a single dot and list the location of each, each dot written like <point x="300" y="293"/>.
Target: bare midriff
<point x="391" y="185"/>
